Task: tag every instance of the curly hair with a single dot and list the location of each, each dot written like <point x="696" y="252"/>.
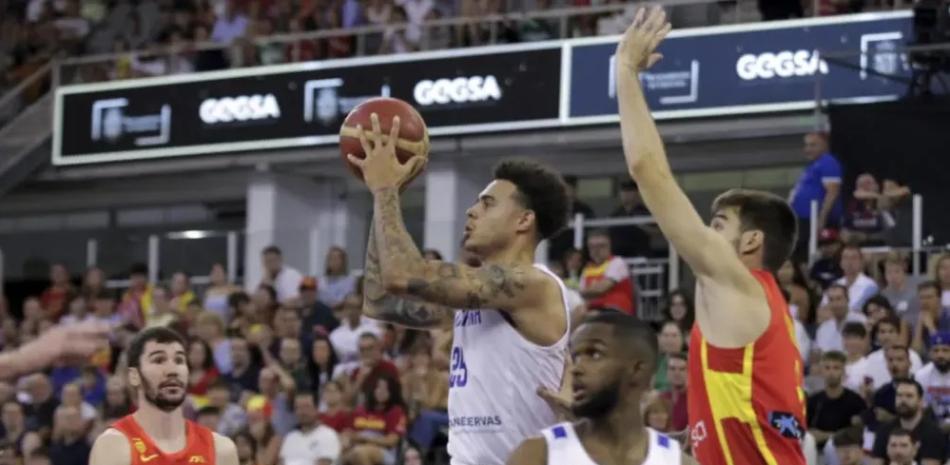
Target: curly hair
<point x="541" y="190"/>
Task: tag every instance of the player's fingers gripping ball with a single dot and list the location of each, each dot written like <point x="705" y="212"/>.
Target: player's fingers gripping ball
<point x="413" y="137"/>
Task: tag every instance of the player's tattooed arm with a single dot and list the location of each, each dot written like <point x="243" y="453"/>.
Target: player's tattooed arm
<point x="381" y="305"/>
<point x="406" y="273"/>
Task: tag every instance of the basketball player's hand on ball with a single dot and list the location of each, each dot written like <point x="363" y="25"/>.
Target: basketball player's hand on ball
<point x="637" y="49"/>
<point x="381" y="169"/>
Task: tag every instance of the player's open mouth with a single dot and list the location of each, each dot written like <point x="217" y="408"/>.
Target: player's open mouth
<point x="579" y="392"/>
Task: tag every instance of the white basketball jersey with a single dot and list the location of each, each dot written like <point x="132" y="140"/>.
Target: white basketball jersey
<point x="494" y="377"/>
<point x="565" y="448"/>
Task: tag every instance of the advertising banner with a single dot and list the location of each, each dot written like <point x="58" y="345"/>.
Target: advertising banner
<point x="751" y="68"/>
<point x="250" y="110"/>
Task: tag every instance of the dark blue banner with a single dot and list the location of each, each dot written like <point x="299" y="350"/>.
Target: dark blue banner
<point x="752" y="68"/>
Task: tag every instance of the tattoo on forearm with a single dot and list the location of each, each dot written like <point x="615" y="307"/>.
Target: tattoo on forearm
<point x="386" y="307"/>
<point x="449" y="283"/>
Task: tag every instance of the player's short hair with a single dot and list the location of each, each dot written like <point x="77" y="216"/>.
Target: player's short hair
<point x="854" y="329"/>
<point x="159" y="334"/>
<point x="909" y="382"/>
<point x="600" y="232"/>
<point x="272" y="249"/>
<point x="768" y="213"/>
<point x="834" y="356"/>
<point x="541" y="190"/>
<point x="637" y="335"/>
<point x="850" y="436"/>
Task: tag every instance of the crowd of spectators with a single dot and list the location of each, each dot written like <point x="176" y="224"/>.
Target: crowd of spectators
<point x="34" y="31"/>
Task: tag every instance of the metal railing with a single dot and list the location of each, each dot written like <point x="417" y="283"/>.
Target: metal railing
<point x="481" y="30"/>
<point x="25" y="93"/>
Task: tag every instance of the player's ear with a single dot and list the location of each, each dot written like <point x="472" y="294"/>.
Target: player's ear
<point x="135" y="378"/>
<point x="526" y="220"/>
<point x="750" y="241"/>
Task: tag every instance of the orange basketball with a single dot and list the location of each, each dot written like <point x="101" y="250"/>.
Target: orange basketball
<point x="413" y="136"/>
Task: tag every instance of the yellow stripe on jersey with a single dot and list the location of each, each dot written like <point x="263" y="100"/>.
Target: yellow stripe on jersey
<point x="730" y="396"/>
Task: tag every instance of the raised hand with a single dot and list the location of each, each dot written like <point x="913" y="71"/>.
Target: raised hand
<point x="381" y="169"/>
<point x="637" y="49"/>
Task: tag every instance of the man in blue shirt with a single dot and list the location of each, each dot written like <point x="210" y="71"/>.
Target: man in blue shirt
<point x="820" y="181"/>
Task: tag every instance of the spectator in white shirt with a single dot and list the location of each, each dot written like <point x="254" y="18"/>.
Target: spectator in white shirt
<point x="860" y="286"/>
<point x="888" y="335"/>
<point x="345" y="339"/>
<point x="284" y="279"/>
<point x="828" y="336"/>
<point x="311" y="443"/>
<point x="856" y="348"/>
<point x="935" y="379"/>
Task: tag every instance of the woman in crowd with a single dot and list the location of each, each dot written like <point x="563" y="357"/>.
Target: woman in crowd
<point x="941" y="274"/>
<point x="801" y="298"/>
<point x="246" y="448"/>
<point x="216" y="296"/>
<point x="671" y="341"/>
<point x="877" y="308"/>
<point x="658" y="414"/>
<point x="679" y="308"/>
<point x="379" y="426"/>
<point x="323" y="360"/>
<point x="266" y="441"/>
<point x="202" y="371"/>
<point x="336" y="283"/>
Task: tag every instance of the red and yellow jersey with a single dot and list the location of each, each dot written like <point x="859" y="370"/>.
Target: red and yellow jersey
<point x="198" y="450"/>
<point x="747" y="405"/>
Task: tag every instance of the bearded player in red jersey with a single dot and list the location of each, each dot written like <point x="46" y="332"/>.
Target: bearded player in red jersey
<point x="746" y="403"/>
<point x="158" y="433"/>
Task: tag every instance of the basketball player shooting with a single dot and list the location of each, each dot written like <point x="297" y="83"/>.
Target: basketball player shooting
<point x="746" y="403"/>
<point x="614" y="356"/>
<point x="511" y="329"/>
<point x="158" y="433"/>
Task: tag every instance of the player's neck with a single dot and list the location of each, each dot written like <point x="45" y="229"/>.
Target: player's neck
<point x="752" y="261"/>
<point x="620" y="424"/>
<point x="510" y="255"/>
<point x="158" y="424"/>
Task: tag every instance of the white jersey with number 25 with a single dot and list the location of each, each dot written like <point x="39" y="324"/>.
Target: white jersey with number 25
<point x="493" y="380"/>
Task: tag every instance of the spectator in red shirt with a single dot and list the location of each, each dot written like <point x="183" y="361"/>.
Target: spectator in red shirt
<point x="363" y="373"/>
<point x="202" y="372"/>
<point x="335" y="413"/>
<point x="379" y="426"/>
<point x="59" y="292"/>
<point x="606" y="283"/>
<point x="676" y="394"/>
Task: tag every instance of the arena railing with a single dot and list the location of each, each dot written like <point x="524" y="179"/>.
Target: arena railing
<point x="93" y="68"/>
<point x="27" y="91"/>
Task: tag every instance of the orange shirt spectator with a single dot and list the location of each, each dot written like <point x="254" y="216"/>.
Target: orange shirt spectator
<point x="606" y="283"/>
